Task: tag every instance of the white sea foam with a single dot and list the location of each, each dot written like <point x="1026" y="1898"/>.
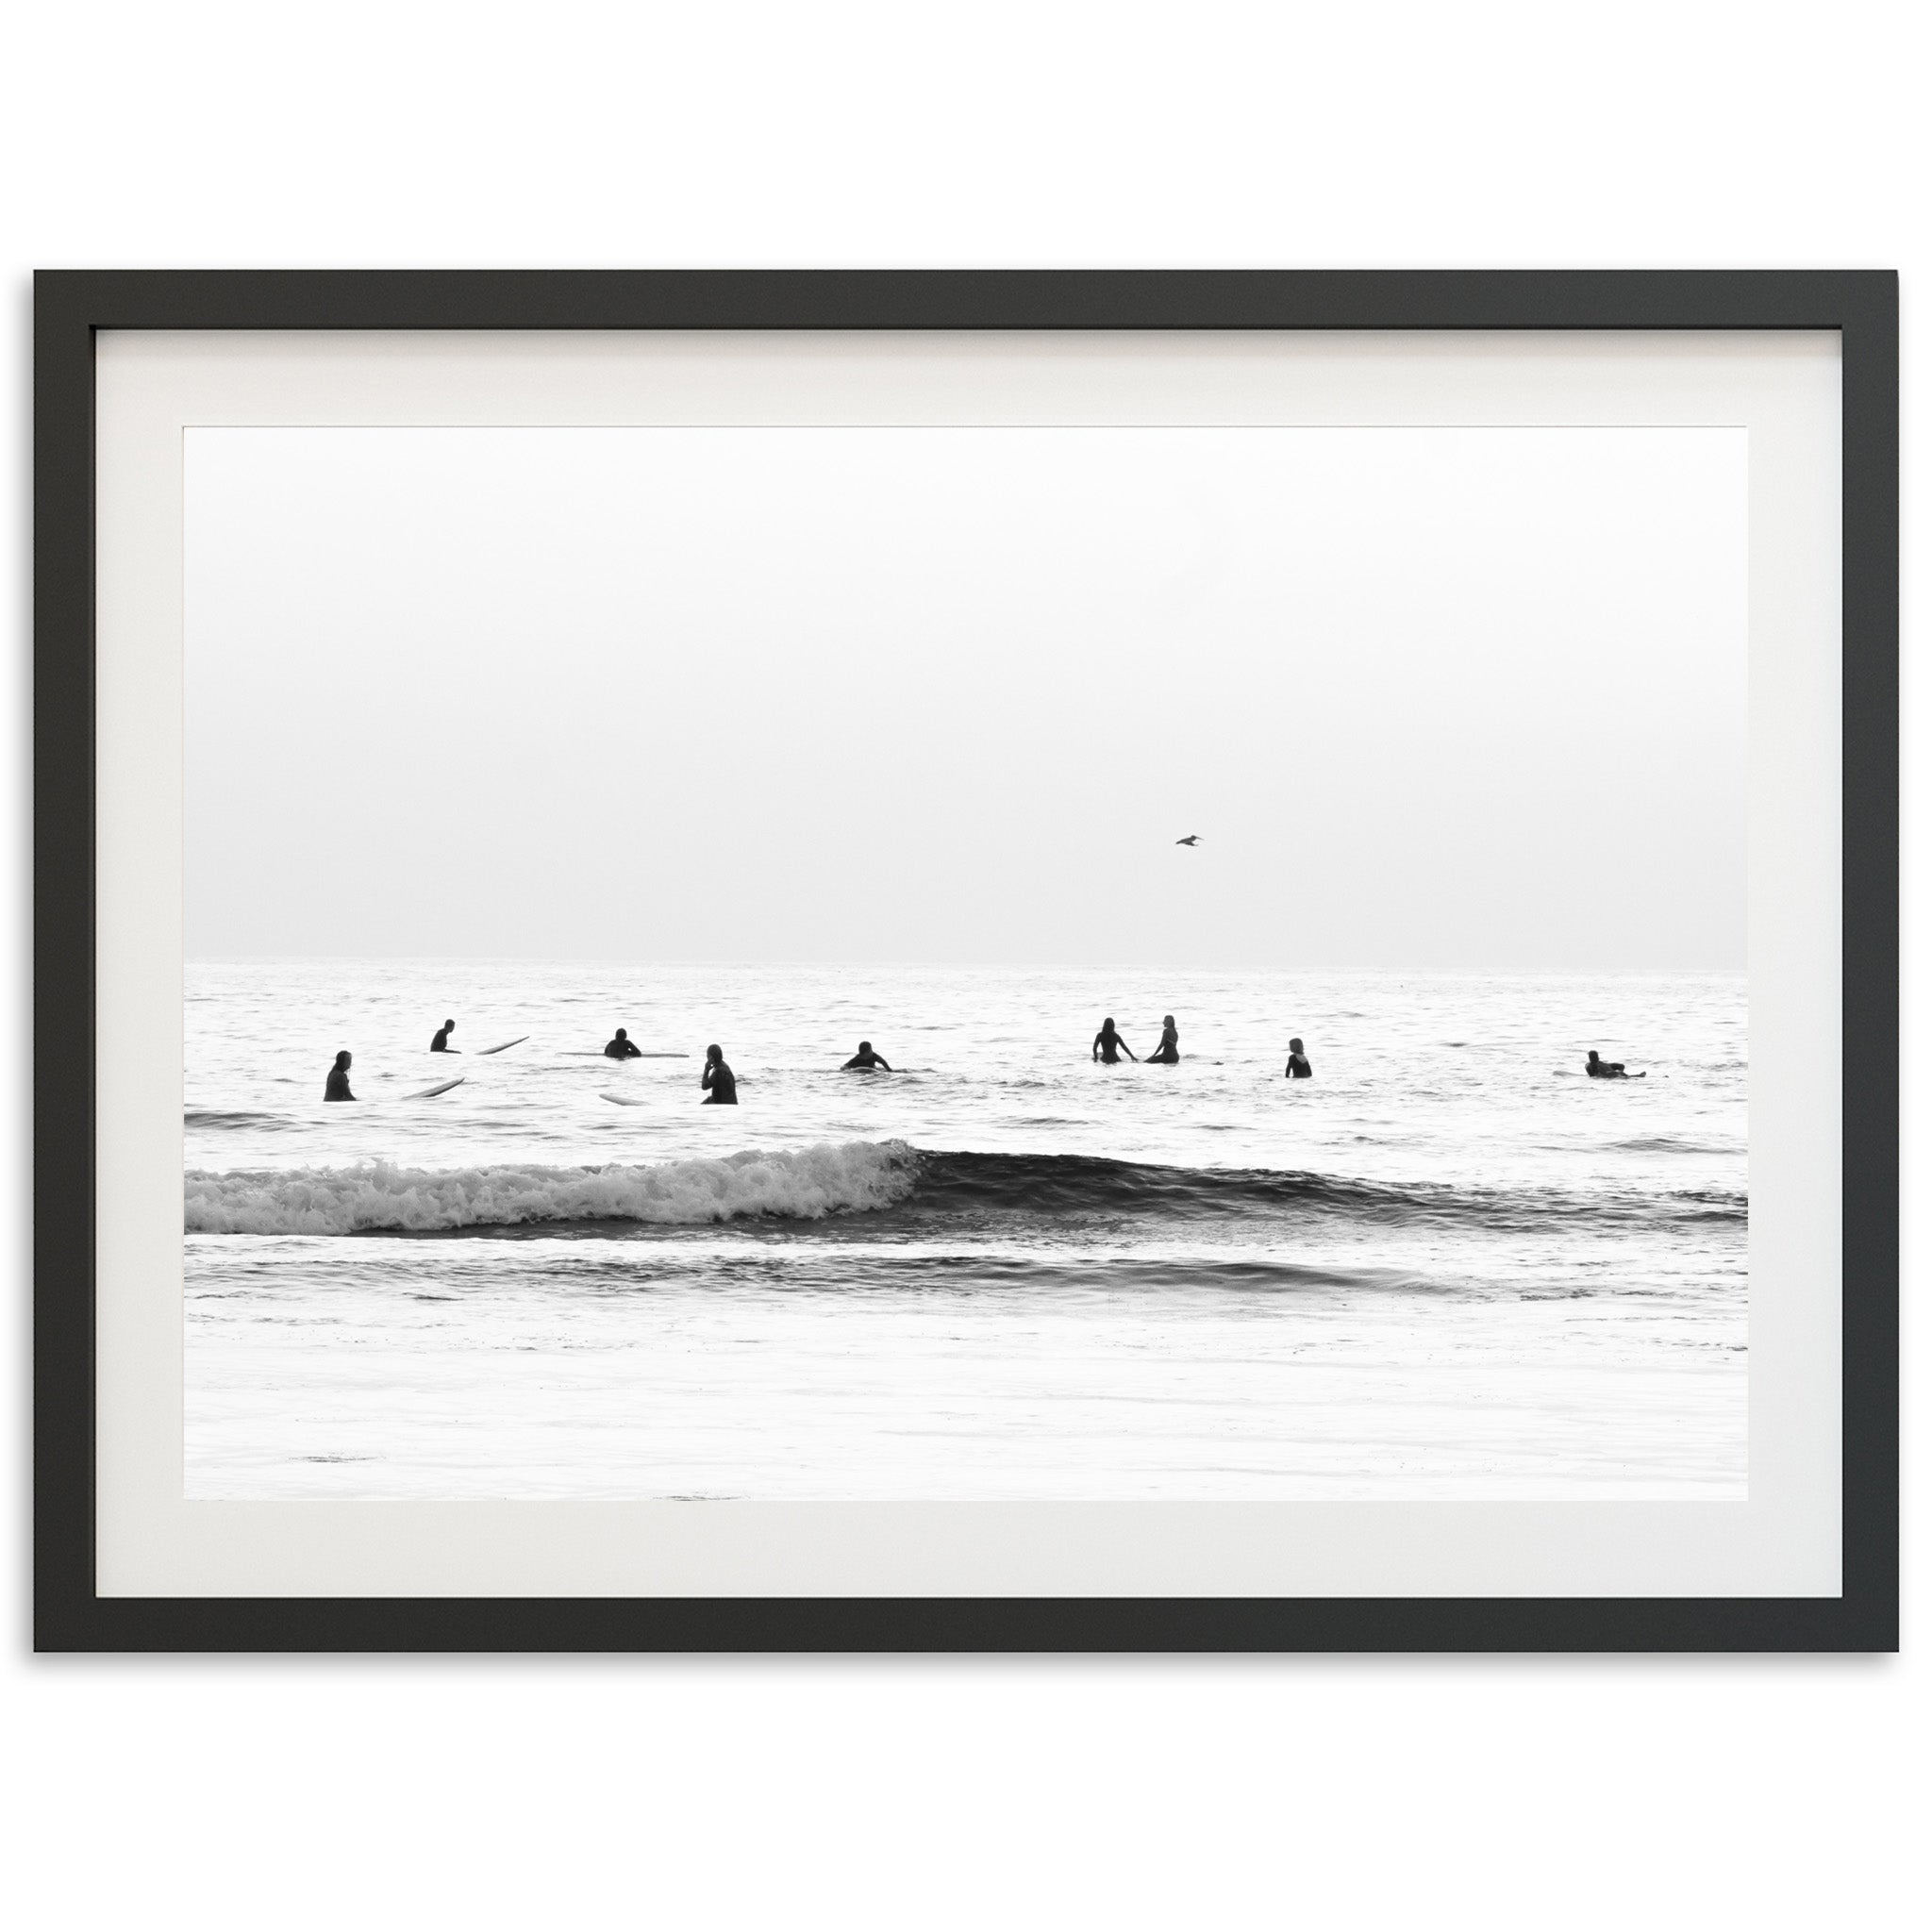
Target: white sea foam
<point x="807" y="1183"/>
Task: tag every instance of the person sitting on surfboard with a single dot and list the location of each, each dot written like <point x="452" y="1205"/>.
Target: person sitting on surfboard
<point x="1607" y="1069"/>
<point x="1298" y="1067"/>
<point x="1167" y="1054"/>
<point x="721" y="1086"/>
<point x="1108" y="1045"/>
<point x="622" y="1048"/>
<point x="338" y="1088"/>
<point x="440" y="1044"/>
<point x="865" y="1060"/>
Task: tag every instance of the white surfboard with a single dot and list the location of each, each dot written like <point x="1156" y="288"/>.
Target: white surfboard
<point x="430" y="1093"/>
<point x="483" y="1053"/>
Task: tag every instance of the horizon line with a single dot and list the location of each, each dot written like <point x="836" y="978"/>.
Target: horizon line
<point x="1733" y="972"/>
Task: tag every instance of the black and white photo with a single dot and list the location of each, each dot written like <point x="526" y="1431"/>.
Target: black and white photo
<point x="1223" y="949"/>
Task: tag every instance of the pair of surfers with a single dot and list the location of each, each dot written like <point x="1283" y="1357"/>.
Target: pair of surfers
<point x="1108" y="1045"/>
<point x="719" y="1082"/>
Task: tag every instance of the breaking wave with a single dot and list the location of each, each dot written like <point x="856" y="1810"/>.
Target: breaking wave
<point x="805" y="1184"/>
<point x="865" y="1177"/>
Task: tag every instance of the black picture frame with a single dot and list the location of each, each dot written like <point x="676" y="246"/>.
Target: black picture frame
<point x="71" y="308"/>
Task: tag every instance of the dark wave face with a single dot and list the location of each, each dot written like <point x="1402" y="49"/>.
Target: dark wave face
<point x="889" y="1187"/>
<point x="1069" y="1186"/>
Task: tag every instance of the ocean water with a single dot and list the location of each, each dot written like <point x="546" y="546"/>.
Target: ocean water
<point x="1449" y="1265"/>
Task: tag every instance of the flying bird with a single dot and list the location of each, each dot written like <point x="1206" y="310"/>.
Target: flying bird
<point x="1192" y="838"/>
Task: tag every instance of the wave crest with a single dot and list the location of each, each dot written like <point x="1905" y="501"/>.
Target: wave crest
<point x="805" y="1184"/>
<point x="945" y="1189"/>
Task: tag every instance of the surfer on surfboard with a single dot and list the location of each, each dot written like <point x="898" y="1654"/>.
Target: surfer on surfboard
<point x="440" y="1044"/>
<point x="1167" y="1054"/>
<point x="1108" y="1045"/>
<point x="1607" y="1069"/>
<point x="1298" y="1067"/>
<point x="864" y="1061"/>
<point x="622" y="1048"/>
<point x="719" y="1082"/>
<point x="338" y="1088"/>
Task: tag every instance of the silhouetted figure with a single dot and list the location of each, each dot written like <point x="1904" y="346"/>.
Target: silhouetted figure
<point x="440" y="1044"/>
<point x="865" y="1060"/>
<point x="338" y="1088"/>
<point x="622" y="1048"/>
<point x="720" y="1084"/>
<point x="1108" y="1046"/>
<point x="1167" y="1054"/>
<point x="1607" y="1069"/>
<point x="1192" y="838"/>
<point x="1298" y="1067"/>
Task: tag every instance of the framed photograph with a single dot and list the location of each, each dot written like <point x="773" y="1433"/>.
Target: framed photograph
<point x="970" y="961"/>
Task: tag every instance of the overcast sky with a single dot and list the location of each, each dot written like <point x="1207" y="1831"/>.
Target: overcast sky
<point x="1430" y="697"/>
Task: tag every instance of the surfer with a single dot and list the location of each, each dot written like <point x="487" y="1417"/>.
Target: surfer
<point x="440" y="1044"/>
<point x="721" y="1086"/>
<point x="864" y="1061"/>
<point x="338" y="1088"/>
<point x="1298" y="1067"/>
<point x="1167" y="1054"/>
<point x="1108" y="1045"/>
<point x="622" y="1048"/>
<point x="1607" y="1069"/>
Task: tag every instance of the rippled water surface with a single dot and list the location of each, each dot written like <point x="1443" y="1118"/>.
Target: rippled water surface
<point x="1449" y="1264"/>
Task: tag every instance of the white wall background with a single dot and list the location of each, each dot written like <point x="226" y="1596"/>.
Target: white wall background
<point x="1330" y="1793"/>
